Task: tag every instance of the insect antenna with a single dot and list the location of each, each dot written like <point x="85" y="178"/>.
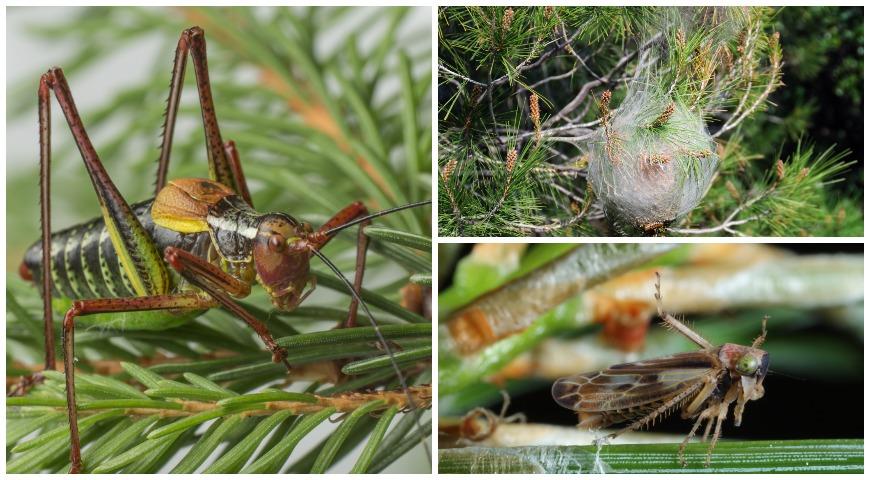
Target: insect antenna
<point x="386" y="345"/>
<point x="375" y="215"/>
<point x="774" y="372"/>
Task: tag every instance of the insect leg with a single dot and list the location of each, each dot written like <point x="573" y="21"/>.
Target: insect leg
<point x="192" y="41"/>
<point x="708" y="428"/>
<point x="760" y="339"/>
<point x="220" y="286"/>
<point x="673" y="402"/>
<point x="135" y="249"/>
<point x="723" y="412"/>
<point x="236" y="167"/>
<point x="673" y="322"/>
<point x="703" y="416"/>
<point x="45" y="218"/>
<point x="188" y="301"/>
<point x="349" y="213"/>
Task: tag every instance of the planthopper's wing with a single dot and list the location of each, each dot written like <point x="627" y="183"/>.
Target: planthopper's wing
<point x="629" y="390"/>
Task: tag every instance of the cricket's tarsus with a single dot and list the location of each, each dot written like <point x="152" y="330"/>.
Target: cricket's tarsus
<point x="702" y="384"/>
<point x="204" y="230"/>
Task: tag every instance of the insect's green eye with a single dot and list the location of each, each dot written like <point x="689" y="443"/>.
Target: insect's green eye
<point x="747" y="365"/>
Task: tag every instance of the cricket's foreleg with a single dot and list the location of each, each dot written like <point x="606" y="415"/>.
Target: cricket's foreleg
<point x="188" y="301"/>
<point x="362" y="246"/>
<point x="220" y="285"/>
<point x="192" y="41"/>
<point x="347" y="214"/>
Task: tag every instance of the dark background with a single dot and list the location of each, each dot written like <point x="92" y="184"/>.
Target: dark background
<point x="792" y="408"/>
<point x="822" y="98"/>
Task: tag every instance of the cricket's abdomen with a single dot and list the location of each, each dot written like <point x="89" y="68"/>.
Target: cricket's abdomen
<point x="84" y="263"/>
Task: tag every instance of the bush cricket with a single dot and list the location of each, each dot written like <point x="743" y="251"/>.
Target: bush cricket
<point x="199" y="244"/>
<point x="703" y="384"/>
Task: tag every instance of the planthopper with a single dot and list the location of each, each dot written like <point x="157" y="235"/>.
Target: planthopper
<point x="702" y="385"/>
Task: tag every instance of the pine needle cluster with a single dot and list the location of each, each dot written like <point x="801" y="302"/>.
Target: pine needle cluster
<point x="554" y="88"/>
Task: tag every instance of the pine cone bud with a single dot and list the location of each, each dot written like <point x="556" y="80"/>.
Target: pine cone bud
<point x="664" y="116"/>
<point x="448" y="170"/>
<point x="535" y="112"/>
<point x="780" y="169"/>
<point x="507" y="19"/>
<point x="604" y="104"/>
<point x="511" y="160"/>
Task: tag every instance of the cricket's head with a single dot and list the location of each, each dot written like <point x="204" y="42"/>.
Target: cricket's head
<point x="281" y="256"/>
<point x="748" y="365"/>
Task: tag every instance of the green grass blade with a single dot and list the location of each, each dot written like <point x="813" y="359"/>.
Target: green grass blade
<point x="767" y="456"/>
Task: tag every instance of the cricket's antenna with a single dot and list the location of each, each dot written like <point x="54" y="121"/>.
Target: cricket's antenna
<point x="375" y="215"/>
<point x="413" y="406"/>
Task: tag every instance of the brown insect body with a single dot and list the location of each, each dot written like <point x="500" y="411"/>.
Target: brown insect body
<point x="274" y="248"/>
<point x="702" y="384"/>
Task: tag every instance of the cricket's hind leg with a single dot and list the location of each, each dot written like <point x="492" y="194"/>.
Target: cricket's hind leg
<point x="136" y="251"/>
<point x="223" y="159"/>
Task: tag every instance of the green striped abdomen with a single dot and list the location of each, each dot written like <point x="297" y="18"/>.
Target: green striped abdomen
<point x="84" y="263"/>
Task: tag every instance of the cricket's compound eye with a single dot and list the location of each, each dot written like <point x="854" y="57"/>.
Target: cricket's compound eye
<point x="747" y="365"/>
<point x="277" y="242"/>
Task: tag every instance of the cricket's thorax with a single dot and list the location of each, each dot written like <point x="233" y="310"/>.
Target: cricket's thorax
<point x="243" y="240"/>
<point x="205" y="206"/>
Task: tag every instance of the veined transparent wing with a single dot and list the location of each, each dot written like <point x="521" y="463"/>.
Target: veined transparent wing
<point x="631" y="388"/>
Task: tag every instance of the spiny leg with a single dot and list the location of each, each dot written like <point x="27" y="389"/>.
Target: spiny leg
<point x="681" y="453"/>
<point x="220" y="285"/>
<point x="45" y="217"/>
<point x="674" y="323"/>
<point x="188" y="301"/>
<point x="135" y="249"/>
<point x="347" y="214"/>
<point x="708" y="428"/>
<point x="192" y="41"/>
<point x="44" y="107"/>
<point x="658" y="411"/>
<point x="761" y="338"/>
<point x="723" y="412"/>
<point x="236" y="167"/>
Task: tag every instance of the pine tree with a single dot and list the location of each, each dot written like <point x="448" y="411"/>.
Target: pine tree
<point x="625" y="121"/>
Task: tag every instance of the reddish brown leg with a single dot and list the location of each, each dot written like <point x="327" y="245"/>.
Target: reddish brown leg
<point x="188" y="301"/>
<point x="192" y="41"/>
<point x="45" y="217"/>
<point x="218" y="284"/>
<point x="351" y="212"/>
<point x="117" y="214"/>
<point x="236" y="168"/>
